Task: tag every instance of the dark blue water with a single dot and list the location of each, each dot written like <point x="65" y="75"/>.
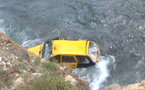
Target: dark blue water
<point x="118" y="26"/>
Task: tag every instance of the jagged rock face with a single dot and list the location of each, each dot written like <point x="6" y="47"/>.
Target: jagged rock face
<point x="8" y="46"/>
<point x="10" y="51"/>
<point x="21" y="53"/>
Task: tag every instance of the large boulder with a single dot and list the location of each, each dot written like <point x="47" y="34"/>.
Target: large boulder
<point x="22" y="53"/>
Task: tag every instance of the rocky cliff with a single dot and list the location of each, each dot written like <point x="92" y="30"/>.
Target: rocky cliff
<point x="22" y="70"/>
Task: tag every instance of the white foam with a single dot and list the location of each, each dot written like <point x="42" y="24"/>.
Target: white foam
<point x="103" y="74"/>
<point x="31" y="43"/>
<point x="1" y="26"/>
<point x="97" y="74"/>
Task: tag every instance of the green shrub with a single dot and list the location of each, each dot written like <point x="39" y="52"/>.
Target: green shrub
<point x="49" y="66"/>
<point x="21" y="66"/>
<point x="20" y="59"/>
<point x="52" y="81"/>
<point x="2" y="71"/>
<point x="36" y="61"/>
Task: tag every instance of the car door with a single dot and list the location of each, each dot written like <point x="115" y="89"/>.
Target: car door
<point x="47" y="50"/>
<point x="69" y="60"/>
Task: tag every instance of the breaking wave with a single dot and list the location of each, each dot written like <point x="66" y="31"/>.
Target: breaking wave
<point x="97" y="75"/>
<point x="31" y="43"/>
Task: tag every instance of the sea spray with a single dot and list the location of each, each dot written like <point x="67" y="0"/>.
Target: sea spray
<point x="97" y="74"/>
<point x="32" y="43"/>
<point x="2" y="26"/>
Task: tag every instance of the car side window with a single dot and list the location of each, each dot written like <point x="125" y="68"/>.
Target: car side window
<point x="82" y="59"/>
<point x="68" y="59"/>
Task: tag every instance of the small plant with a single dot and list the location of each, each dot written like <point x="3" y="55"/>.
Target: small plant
<point x="21" y="66"/>
<point x="36" y="61"/>
<point x="49" y="66"/>
<point x="2" y="71"/>
<point x="19" y="58"/>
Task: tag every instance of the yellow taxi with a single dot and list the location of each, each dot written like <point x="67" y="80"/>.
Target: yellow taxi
<point x="76" y="53"/>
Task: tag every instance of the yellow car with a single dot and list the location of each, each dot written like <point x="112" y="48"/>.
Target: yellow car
<point x="76" y="53"/>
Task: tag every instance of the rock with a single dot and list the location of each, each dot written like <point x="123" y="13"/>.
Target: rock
<point x="36" y="74"/>
<point x="8" y="63"/>
<point x="3" y="62"/>
<point x="0" y="59"/>
<point x="17" y="75"/>
<point x="4" y="67"/>
<point x="131" y="87"/>
<point x="18" y="81"/>
<point x="71" y="79"/>
<point x="13" y="70"/>
<point x="114" y="87"/>
<point x="43" y="60"/>
<point x="6" y="60"/>
<point x="33" y="76"/>
<point x="142" y="83"/>
<point x="138" y="86"/>
<point x="9" y="44"/>
<point x="21" y="53"/>
<point x="62" y="68"/>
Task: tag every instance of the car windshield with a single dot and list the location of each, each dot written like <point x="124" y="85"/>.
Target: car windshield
<point x="47" y="50"/>
<point x="93" y="50"/>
